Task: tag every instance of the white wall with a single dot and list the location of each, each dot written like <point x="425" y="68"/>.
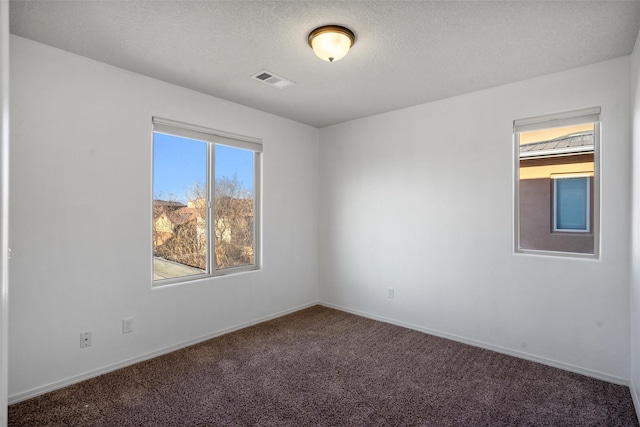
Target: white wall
<point x="421" y="200"/>
<point x="635" y="227"/>
<point x="81" y="219"/>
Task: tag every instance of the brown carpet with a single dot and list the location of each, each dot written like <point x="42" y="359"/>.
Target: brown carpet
<point x="322" y="367"/>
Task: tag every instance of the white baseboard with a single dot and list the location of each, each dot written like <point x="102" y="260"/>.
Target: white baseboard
<point x="522" y="355"/>
<point x="19" y="397"/>
<point x="634" y="397"/>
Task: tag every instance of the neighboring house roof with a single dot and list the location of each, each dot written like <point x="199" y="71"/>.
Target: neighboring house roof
<point x="575" y="143"/>
<point x="167" y="203"/>
<point x="183" y="215"/>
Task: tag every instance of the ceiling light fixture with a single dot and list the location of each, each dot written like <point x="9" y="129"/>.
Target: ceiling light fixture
<point x="331" y="42"/>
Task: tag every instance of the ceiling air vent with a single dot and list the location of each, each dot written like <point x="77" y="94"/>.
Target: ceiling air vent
<point x="272" y="80"/>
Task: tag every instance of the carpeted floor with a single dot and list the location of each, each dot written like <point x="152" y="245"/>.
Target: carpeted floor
<point x="322" y="367"/>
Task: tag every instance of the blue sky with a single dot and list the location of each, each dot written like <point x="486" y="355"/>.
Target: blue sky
<point x="178" y="163"/>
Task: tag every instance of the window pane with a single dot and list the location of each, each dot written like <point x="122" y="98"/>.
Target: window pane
<point x="179" y="206"/>
<point x="572" y="198"/>
<point x="234" y="207"/>
<point x="554" y="211"/>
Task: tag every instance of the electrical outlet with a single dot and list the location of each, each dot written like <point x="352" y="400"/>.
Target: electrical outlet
<point x="127" y="325"/>
<point x="85" y="339"/>
<point x="390" y="293"/>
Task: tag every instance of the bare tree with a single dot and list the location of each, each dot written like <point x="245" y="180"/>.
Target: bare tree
<point x="180" y="231"/>
<point x="233" y="228"/>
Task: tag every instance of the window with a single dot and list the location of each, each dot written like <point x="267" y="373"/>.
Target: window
<point x="571" y="204"/>
<point x="557" y="191"/>
<point x="205" y="202"/>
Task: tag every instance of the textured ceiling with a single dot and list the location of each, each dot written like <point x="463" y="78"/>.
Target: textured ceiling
<point x="406" y="52"/>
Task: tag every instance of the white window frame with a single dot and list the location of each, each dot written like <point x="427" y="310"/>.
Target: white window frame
<point x="556" y="179"/>
<point x="576" y="117"/>
<point x="216" y="137"/>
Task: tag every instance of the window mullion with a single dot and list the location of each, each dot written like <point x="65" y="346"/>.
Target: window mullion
<point x="257" y="201"/>
<point x="211" y="221"/>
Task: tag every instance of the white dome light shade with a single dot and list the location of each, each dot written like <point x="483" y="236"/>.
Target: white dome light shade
<point x="331" y="43"/>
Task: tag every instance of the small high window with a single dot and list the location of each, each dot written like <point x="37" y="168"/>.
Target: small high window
<point x="557" y="189"/>
<point x="205" y="202"/>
